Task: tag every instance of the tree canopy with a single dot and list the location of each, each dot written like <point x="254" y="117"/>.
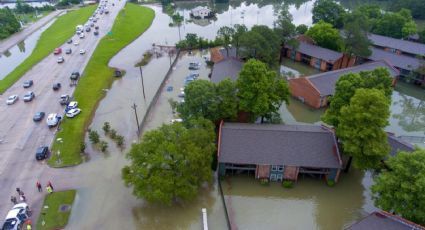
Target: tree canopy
<point x="325" y="35"/>
<point x="400" y="189"/>
<point x="240" y="31"/>
<point x="347" y="85"/>
<point x="261" y="43"/>
<point x="395" y="24"/>
<point x="260" y="90"/>
<point x="171" y="162"/>
<point x="416" y="6"/>
<point x="8" y="23"/>
<point x="361" y="128"/>
<point x="328" y="11"/>
<point x="226" y="33"/>
<point x="355" y="40"/>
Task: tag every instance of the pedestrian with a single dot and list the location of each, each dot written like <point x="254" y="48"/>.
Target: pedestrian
<point x="49" y="189"/>
<point x="18" y="190"/>
<point x="50" y="185"/>
<point x="13" y="199"/>
<point x="29" y="227"/>
<point x="23" y="198"/>
<point x="39" y="186"/>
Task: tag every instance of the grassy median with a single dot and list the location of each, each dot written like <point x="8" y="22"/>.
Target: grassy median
<point x="130" y="23"/>
<point x="54" y="36"/>
<point x="54" y="217"/>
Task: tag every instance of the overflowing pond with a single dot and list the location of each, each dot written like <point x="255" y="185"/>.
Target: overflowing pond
<point x="13" y="57"/>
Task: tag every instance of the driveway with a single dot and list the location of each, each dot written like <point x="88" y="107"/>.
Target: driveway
<point x="20" y="136"/>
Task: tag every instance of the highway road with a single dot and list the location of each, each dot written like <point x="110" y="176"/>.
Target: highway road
<point x="20" y="136"/>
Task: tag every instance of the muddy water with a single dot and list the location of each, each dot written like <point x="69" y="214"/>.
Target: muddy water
<point x="13" y="57"/>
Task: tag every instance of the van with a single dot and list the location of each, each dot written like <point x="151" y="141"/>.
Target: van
<point x="53" y="120"/>
<point x="16" y="217"/>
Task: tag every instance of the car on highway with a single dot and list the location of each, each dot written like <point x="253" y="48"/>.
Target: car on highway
<point x="82" y="35"/>
<point x="76" y="43"/>
<point x="96" y="32"/>
<point x="94" y="19"/>
<point x="69" y="41"/>
<point x="64" y="99"/>
<point x="75" y="75"/>
<point x="60" y="60"/>
<point x="72" y="105"/>
<point x="68" y="51"/>
<point x="28" y="83"/>
<point x="29" y="96"/>
<point x="73" y="112"/>
<point x="12" y="99"/>
<point x="53" y="119"/>
<point x="92" y="24"/>
<point x="16" y="217"/>
<point x="96" y="27"/>
<point x="56" y="86"/>
<point x="88" y="29"/>
<point x="38" y="116"/>
<point x="57" y="51"/>
<point x="41" y="153"/>
<point x="82" y="51"/>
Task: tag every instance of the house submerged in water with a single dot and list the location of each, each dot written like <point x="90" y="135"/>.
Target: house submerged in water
<point x="278" y="152"/>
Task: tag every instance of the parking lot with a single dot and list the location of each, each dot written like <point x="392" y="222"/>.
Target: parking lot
<point x="20" y="136"/>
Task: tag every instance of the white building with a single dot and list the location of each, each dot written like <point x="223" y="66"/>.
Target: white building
<point x="200" y="12"/>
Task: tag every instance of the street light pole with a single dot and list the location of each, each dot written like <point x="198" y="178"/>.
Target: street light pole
<point x="134" y="106"/>
<point x="143" y="85"/>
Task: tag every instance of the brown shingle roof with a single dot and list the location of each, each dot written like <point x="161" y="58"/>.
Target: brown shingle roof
<point x="226" y="68"/>
<point x="399" y="61"/>
<point x="403" y="45"/>
<point x="318" y="52"/>
<point x="397" y="145"/>
<point x="294" y="145"/>
<point x="385" y="221"/>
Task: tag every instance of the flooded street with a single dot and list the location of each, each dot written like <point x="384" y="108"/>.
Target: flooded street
<point x="104" y="203"/>
<point x="13" y="57"/>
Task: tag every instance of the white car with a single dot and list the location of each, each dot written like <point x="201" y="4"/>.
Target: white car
<point x="12" y="99"/>
<point x="82" y="35"/>
<point x="61" y="59"/>
<point x="53" y="119"/>
<point x="16" y="217"/>
<point x="82" y="51"/>
<point x="73" y="112"/>
<point x="72" y="105"/>
<point x="76" y="43"/>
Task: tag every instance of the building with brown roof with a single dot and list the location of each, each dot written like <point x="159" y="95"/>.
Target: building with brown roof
<point x="385" y="221"/>
<point x="315" y="90"/>
<point x="278" y="152"/>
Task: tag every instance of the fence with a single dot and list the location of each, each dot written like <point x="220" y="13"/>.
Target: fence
<point x="229" y="226"/>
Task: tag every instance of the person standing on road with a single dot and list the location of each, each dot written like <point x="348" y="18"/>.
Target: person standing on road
<point x="13" y="199"/>
<point x="23" y="198"/>
<point x="39" y="186"/>
<point x="18" y="190"/>
<point x="49" y="189"/>
<point x="50" y="185"/>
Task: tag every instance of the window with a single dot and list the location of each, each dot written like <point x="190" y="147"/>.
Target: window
<point x="280" y="168"/>
<point x="274" y="168"/>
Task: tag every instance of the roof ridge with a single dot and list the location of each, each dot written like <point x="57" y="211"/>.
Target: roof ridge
<point x="248" y="127"/>
<point x="349" y="68"/>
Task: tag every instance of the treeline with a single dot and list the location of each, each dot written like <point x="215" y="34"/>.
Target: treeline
<point x="8" y="23"/>
<point x="25" y="8"/>
<point x="417" y="7"/>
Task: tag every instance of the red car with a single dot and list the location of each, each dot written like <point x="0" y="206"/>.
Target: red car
<point x="57" y="51"/>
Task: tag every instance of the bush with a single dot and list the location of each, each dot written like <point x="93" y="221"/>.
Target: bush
<point x="93" y="137"/>
<point x="120" y="141"/>
<point x="330" y="183"/>
<point x="113" y="134"/>
<point x="287" y="184"/>
<point x="106" y="127"/>
<point x="103" y="146"/>
<point x="82" y="147"/>
<point x="264" y="181"/>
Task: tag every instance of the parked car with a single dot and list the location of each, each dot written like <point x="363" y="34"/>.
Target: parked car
<point x="194" y="65"/>
<point x="53" y="119"/>
<point x="181" y="94"/>
<point x="82" y="51"/>
<point x="68" y="51"/>
<point x="28" y="83"/>
<point x="16" y="217"/>
<point x="57" y="51"/>
<point x="56" y="86"/>
<point x="29" y="96"/>
<point x="72" y="105"/>
<point x="38" y="116"/>
<point x="12" y="99"/>
<point x="75" y="75"/>
<point x="61" y="59"/>
<point x="41" y="153"/>
<point x="64" y="99"/>
<point x="73" y="112"/>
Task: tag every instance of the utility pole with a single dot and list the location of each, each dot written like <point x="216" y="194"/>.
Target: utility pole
<point x="143" y="85"/>
<point x="134" y="106"/>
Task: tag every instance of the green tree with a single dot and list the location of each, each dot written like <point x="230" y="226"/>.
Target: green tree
<point x="328" y="11"/>
<point x="227" y="99"/>
<point x="240" y="31"/>
<point x="301" y="29"/>
<point x="284" y="28"/>
<point x="325" y="36"/>
<point x="192" y="40"/>
<point x="392" y="24"/>
<point x="226" y="33"/>
<point x="177" y="21"/>
<point x="8" y="23"/>
<point x="400" y="189"/>
<point x="260" y="90"/>
<point x="361" y="128"/>
<point x="422" y="36"/>
<point x="261" y="43"/>
<point x="355" y="40"/>
<point x="347" y="85"/>
<point x="171" y="162"/>
<point x="408" y="29"/>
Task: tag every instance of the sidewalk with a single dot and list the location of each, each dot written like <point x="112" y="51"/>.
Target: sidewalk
<point x="21" y="35"/>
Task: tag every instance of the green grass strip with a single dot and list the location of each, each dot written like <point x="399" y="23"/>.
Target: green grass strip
<point x="53" y="217"/>
<point x="130" y="23"/>
<point x="54" y="36"/>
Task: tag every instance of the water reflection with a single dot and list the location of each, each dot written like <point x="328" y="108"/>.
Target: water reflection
<point x="13" y="57"/>
<point x="311" y="204"/>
